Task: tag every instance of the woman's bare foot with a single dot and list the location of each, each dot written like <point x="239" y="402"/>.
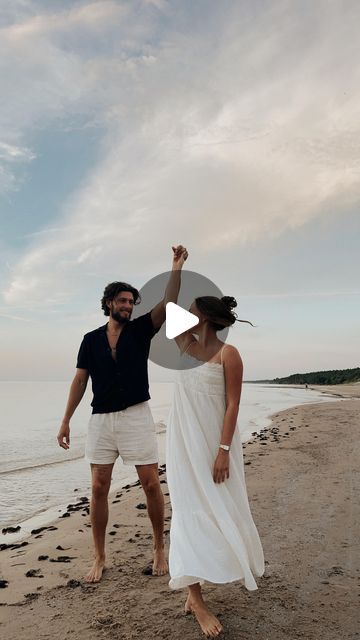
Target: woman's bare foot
<point x="187" y="607"/>
<point x="160" y="565"/>
<point x="209" y="624"/>
<point x="96" y="571"/>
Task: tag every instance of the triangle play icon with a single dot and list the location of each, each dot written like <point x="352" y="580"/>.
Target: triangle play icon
<point x="178" y="320"/>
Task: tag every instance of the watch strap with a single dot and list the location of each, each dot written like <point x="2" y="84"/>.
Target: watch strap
<point x="226" y="447"/>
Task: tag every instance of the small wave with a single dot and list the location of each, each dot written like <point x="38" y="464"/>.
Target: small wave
<point x="40" y="465"/>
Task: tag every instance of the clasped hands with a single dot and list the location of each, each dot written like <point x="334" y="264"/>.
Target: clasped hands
<point x="180" y="254"/>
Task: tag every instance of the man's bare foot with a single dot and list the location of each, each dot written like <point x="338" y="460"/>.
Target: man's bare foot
<point x="96" y="571"/>
<point x="209" y="624"/>
<point x="160" y="565"/>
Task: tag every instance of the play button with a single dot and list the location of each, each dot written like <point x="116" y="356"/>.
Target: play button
<point x="164" y="350"/>
<point x="178" y="320"/>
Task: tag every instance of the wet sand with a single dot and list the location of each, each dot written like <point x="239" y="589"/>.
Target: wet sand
<point x="303" y="484"/>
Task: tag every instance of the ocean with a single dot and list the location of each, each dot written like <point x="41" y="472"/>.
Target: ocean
<point x="38" y="479"/>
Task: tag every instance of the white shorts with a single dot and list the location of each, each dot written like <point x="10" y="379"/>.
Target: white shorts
<point x="129" y="434"/>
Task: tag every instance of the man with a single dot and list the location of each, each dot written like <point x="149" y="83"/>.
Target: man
<point x="115" y="357"/>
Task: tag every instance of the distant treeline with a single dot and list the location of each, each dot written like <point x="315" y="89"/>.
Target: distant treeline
<point x="337" y="376"/>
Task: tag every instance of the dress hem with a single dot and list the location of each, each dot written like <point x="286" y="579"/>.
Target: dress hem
<point x="185" y="581"/>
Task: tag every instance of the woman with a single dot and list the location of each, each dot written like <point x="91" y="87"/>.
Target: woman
<point x="213" y="536"/>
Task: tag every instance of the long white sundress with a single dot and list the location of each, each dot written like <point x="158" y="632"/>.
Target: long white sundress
<point x="213" y="536"/>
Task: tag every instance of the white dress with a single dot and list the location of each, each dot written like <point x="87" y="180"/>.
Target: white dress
<point x="213" y="536"/>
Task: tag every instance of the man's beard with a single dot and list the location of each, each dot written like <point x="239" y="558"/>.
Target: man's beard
<point x="120" y="319"/>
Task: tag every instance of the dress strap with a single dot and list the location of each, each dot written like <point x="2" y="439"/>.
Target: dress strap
<point x="221" y="353"/>
<point x="190" y="343"/>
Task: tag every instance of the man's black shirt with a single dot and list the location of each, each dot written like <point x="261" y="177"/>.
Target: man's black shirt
<point x="118" y="385"/>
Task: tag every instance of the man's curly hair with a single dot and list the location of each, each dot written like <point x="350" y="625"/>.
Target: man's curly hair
<point x="113" y="289"/>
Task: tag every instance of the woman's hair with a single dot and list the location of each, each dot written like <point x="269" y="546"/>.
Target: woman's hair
<point x="113" y="289"/>
<point x="219" y="311"/>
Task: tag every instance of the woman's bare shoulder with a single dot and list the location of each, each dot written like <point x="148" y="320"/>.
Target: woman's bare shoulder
<point x="231" y="354"/>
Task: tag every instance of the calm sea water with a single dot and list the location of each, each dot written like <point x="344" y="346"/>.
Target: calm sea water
<point x="37" y="475"/>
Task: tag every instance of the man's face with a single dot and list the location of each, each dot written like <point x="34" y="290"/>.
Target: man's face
<point x="121" y="307"/>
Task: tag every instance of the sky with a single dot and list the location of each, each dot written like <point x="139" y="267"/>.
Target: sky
<point x="230" y="127"/>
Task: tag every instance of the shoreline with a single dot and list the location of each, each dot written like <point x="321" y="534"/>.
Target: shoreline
<point x="345" y="390"/>
<point x="49" y="515"/>
<point x="301" y="475"/>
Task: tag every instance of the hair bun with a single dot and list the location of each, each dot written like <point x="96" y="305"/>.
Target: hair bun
<point x="229" y="302"/>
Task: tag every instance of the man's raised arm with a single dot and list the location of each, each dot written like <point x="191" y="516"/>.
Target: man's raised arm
<point x="158" y="314"/>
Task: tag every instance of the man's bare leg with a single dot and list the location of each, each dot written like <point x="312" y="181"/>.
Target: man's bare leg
<point x="149" y="478"/>
<point x="195" y="604"/>
<point x="99" y="514"/>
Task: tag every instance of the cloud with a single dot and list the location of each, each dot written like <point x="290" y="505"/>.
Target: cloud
<point x="159" y="4"/>
<point x="93" y="15"/>
<point x="12" y="153"/>
<point x="49" y="72"/>
<point x="218" y="132"/>
<point x="9" y="156"/>
<point x="302" y="294"/>
<point x="7" y="316"/>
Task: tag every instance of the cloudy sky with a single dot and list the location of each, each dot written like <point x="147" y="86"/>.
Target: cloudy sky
<point x="231" y="127"/>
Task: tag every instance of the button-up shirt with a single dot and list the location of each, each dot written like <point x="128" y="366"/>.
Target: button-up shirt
<point x="118" y="384"/>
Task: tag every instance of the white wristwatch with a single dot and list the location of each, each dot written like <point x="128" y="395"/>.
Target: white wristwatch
<point x="226" y="447"/>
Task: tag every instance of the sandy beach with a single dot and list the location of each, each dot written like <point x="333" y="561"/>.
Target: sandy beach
<point x="303" y="485"/>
